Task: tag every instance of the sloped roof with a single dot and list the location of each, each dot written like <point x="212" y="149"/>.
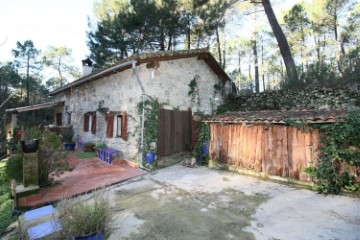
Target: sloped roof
<point x="35" y="107"/>
<point x="201" y="54"/>
<point x="310" y="116"/>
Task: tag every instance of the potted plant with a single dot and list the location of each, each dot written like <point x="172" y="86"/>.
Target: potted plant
<point x="68" y="139"/>
<point x="150" y="152"/>
<point x="30" y="145"/>
<point x="98" y="146"/>
<point x="89" y="147"/>
<point x="30" y="140"/>
<point x="84" y="219"/>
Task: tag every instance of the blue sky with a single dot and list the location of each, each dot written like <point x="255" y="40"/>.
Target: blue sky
<point x="54" y="23"/>
<point x="46" y="23"/>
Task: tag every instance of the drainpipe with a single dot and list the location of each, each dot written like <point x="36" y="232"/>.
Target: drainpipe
<point x="142" y="116"/>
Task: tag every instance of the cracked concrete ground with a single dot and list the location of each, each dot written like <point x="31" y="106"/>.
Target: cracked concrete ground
<point x="200" y="203"/>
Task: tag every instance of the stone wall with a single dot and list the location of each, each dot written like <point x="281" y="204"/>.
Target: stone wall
<point x="121" y="92"/>
<point x="318" y="98"/>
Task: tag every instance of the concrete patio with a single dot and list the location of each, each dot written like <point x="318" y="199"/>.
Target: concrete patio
<point x="88" y="174"/>
<point x="200" y="203"/>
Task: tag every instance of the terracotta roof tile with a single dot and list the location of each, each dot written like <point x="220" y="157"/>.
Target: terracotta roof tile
<point x="311" y="116"/>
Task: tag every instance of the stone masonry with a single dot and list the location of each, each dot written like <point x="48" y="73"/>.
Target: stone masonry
<point x="30" y="168"/>
<point x="311" y="98"/>
<point x="120" y="92"/>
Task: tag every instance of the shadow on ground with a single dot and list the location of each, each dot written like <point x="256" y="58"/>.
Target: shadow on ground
<point x="152" y="209"/>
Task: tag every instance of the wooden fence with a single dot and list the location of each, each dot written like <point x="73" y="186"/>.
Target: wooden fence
<point x="277" y="150"/>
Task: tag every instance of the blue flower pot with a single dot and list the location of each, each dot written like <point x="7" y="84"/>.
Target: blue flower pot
<point x="199" y="159"/>
<point x="69" y="146"/>
<point x="205" y="149"/>
<point x="95" y="236"/>
<point x="150" y="157"/>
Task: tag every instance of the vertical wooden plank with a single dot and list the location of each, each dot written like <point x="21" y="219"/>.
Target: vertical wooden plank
<point x="214" y="143"/>
<point x="266" y="156"/>
<point x="161" y="142"/>
<point x="242" y="146"/>
<point x="237" y="146"/>
<point x="283" y="154"/>
<point x="307" y="161"/>
<point x="315" y="136"/>
<point x="231" y="150"/>
<point x="289" y="168"/>
<point x="178" y="139"/>
<point x="218" y="141"/>
<point x="187" y="130"/>
<point x="258" y="148"/>
<point x="224" y="144"/>
<point x="298" y="156"/>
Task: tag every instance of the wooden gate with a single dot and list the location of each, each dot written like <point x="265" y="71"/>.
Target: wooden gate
<point x="174" y="132"/>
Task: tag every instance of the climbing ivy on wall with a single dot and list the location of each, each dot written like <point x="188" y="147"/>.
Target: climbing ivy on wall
<point x="151" y="124"/>
<point x="194" y="91"/>
<point x="339" y="161"/>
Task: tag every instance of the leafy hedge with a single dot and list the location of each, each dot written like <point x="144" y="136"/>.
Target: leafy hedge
<point x="339" y="162"/>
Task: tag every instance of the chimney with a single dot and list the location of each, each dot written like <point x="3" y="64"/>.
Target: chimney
<point x="86" y="67"/>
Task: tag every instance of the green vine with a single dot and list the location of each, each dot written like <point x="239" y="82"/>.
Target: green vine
<point x="219" y="88"/>
<point x="339" y="160"/>
<point x="194" y="91"/>
<point x="151" y="128"/>
<point x="203" y="138"/>
<point x="300" y="124"/>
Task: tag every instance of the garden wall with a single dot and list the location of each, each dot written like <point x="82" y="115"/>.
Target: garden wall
<point x="312" y="98"/>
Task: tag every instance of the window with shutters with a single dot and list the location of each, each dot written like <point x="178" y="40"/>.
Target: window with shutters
<point x="116" y="122"/>
<point x="90" y="122"/>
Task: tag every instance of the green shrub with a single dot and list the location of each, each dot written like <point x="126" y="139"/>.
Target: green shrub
<point x="52" y="155"/>
<point x="68" y="136"/>
<point x="100" y="145"/>
<point x="84" y="217"/>
<point x="340" y="152"/>
<point x="14" y="168"/>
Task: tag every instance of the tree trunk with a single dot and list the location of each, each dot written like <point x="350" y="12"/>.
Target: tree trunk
<point x="188" y="33"/>
<point x="262" y="64"/>
<point x="239" y="84"/>
<point x="256" y="67"/>
<point x="59" y="70"/>
<point x="27" y="81"/>
<point x="170" y="41"/>
<point x="218" y="45"/>
<point x="256" y="62"/>
<point x="282" y="42"/>
<point x="250" y="77"/>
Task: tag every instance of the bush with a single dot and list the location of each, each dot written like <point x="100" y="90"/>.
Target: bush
<point x="67" y="136"/>
<point x="100" y="145"/>
<point x="14" y="168"/>
<point x="339" y="160"/>
<point x="52" y="155"/>
<point x="84" y="217"/>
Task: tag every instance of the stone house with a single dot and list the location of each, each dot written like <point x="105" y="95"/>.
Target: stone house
<point x="103" y="106"/>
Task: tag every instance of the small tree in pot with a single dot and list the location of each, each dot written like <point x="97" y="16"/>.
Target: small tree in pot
<point x="68" y="139"/>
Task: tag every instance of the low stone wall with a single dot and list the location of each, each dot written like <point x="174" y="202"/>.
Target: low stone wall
<point x="314" y="98"/>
